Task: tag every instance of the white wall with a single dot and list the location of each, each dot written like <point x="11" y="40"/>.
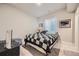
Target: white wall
<point x="21" y="23"/>
<point x="77" y="29"/>
<point x="66" y="34"/>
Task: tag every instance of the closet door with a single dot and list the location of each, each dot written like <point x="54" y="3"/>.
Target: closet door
<point x="77" y="32"/>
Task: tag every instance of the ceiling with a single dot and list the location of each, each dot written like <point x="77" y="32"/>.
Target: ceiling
<point x="38" y="10"/>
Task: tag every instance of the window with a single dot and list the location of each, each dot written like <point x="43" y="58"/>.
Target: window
<point x="51" y="25"/>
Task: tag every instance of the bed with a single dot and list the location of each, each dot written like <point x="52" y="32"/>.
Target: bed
<point x="42" y="40"/>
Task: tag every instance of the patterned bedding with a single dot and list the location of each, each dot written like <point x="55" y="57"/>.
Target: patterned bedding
<point x="42" y="40"/>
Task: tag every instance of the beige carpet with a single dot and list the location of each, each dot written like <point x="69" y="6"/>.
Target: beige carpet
<point x="68" y="53"/>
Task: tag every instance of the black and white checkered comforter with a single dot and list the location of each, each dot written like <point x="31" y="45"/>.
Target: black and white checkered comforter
<point x="42" y="40"/>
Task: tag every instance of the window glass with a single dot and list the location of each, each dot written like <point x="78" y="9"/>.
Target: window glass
<point x="51" y="25"/>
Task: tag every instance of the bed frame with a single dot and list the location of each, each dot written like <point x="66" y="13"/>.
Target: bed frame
<point x="49" y="47"/>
